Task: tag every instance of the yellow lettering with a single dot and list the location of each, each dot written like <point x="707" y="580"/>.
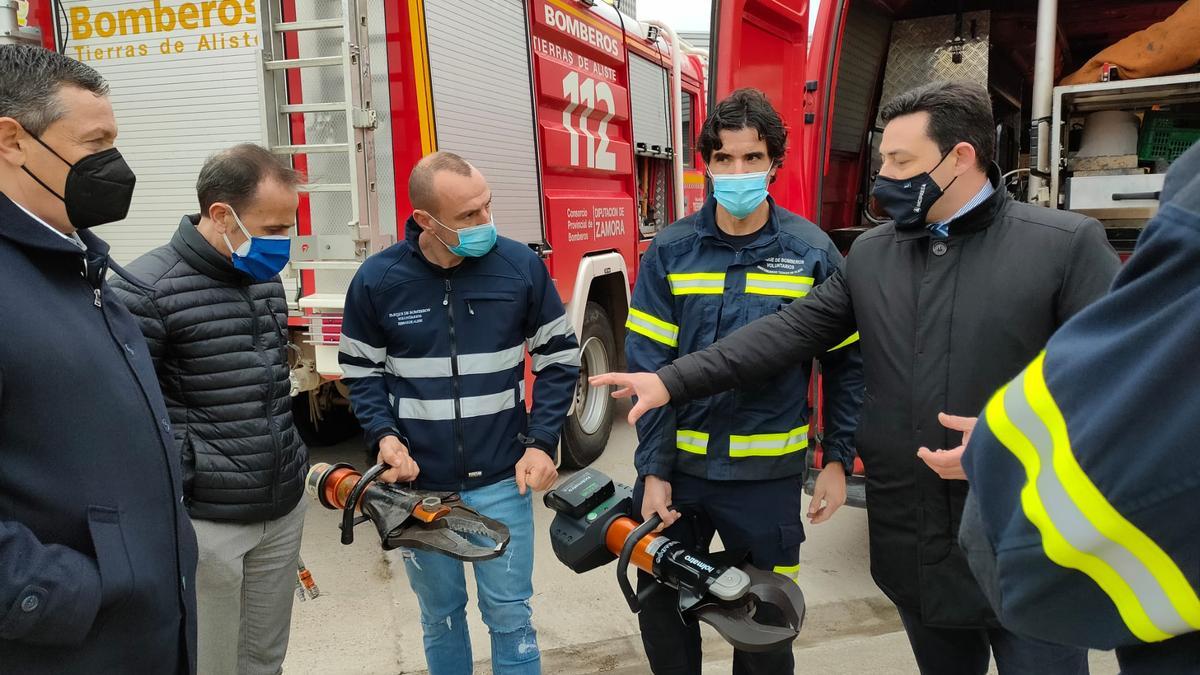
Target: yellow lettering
<point x="251" y="13"/>
<point x="130" y="21"/>
<point x="208" y="8"/>
<point x="189" y="15"/>
<point x="81" y="23"/>
<point x="164" y="17"/>
<point x="231" y="19"/>
<point x="101" y="30"/>
<point x="143" y="50"/>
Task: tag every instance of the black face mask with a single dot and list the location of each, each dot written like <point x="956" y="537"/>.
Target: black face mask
<point x="908" y="200"/>
<point x="99" y="187"/>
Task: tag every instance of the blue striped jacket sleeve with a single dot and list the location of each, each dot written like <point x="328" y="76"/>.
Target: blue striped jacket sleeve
<point x="362" y="354"/>
<point x="554" y="353"/>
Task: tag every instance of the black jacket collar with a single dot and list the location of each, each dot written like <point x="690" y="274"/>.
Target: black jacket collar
<point x="975" y="220"/>
<point x="197" y="252"/>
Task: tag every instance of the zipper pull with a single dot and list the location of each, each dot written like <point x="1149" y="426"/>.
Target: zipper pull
<point x="97" y="301"/>
<point x="470" y="309"/>
<point x="446" y="299"/>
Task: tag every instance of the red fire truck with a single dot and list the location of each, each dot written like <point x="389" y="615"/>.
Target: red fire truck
<point x="580" y="116"/>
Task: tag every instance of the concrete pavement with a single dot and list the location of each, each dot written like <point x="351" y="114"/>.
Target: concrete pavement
<point x="367" y="620"/>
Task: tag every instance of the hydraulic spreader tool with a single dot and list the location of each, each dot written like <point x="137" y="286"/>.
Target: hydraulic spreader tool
<point x="754" y="610"/>
<point x="406" y="518"/>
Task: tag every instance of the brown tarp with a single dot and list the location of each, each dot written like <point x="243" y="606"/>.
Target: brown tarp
<point x="1169" y="46"/>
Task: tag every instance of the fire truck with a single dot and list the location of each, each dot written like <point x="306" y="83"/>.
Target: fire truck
<point x="580" y="116"/>
<point x="1057" y="144"/>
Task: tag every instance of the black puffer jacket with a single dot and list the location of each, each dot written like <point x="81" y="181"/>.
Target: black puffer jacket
<point x="219" y="343"/>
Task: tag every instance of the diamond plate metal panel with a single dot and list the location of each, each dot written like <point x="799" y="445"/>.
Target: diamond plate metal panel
<point x="921" y="53"/>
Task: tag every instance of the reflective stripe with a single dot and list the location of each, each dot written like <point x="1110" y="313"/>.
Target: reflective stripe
<point x="443" y="409"/>
<point x="1080" y="529"/>
<point x="846" y="343"/>
<point x="780" y="285"/>
<point x="568" y="357"/>
<point x="490" y="362"/>
<point x="769" y="445"/>
<point x="422" y="367"/>
<point x="792" y="571"/>
<point x="358" y="349"/>
<point x="550" y="330"/>
<point x="695" y="442"/>
<point x="697" y="283"/>
<point x="354" y="372"/>
<point x="654" y="328"/>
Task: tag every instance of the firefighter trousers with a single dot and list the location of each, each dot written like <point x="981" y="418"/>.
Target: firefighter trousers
<point x="762" y="518"/>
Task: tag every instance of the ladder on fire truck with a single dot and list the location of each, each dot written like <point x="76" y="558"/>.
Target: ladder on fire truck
<point x="287" y="105"/>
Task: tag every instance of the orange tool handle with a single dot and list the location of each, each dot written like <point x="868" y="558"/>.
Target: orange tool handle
<point x="619" y="531"/>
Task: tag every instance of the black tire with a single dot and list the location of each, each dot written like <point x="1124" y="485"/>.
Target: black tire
<point x="337" y="423"/>
<point x="586" y="431"/>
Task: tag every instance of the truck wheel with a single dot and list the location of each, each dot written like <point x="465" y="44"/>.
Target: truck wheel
<point x="587" y="429"/>
<point x="337" y="423"/>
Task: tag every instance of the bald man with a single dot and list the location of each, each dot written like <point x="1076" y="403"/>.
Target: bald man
<point x="433" y="349"/>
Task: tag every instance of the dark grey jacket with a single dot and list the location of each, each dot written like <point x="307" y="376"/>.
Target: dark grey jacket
<point x="944" y="323"/>
<point x="219" y="343"/>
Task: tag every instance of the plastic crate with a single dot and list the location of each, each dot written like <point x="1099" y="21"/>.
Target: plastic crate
<point x="1167" y="137"/>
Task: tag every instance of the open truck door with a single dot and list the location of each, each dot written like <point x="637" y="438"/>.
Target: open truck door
<point x="763" y="44"/>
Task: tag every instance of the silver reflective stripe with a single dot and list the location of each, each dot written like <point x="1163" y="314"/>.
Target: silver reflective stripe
<point x="769" y="445"/>
<point x="550" y="330"/>
<point x="784" y="285"/>
<point x="443" y="409"/>
<point x="358" y="349"/>
<point x="354" y="372"/>
<point x="478" y="406"/>
<point x="568" y="357"/>
<point x="417" y="409"/>
<point x="1076" y="528"/>
<point x="422" y="367"/>
<point x="490" y="362"/>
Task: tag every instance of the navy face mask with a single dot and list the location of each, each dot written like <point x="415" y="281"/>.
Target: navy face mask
<point x="908" y="200"/>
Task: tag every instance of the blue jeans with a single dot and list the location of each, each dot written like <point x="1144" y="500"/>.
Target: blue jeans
<point x="504" y="586"/>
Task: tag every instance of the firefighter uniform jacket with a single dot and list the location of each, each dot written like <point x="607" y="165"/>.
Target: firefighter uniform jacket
<point x="437" y="357"/>
<point x="1085" y="469"/>
<point x="693" y="288"/>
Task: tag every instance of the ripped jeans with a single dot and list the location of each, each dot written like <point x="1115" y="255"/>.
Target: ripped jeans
<point x="504" y="587"/>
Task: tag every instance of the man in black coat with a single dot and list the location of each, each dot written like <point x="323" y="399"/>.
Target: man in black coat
<point x="951" y="300"/>
<point x="216" y="322"/>
<point x="97" y="556"/>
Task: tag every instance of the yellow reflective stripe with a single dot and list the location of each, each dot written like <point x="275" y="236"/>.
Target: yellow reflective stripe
<point x="792" y="571"/>
<point x="769" y="445"/>
<point x="778" y="285"/>
<point x="652" y="327"/>
<point x="695" y="442"/>
<point x="1080" y="529"/>
<point x="847" y="342"/>
<point x="697" y="283"/>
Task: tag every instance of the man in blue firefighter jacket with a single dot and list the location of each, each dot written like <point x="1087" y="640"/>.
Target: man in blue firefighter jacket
<point x="733" y="463"/>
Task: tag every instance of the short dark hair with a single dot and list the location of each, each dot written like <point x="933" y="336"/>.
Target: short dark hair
<point x="30" y="78"/>
<point x="744" y="109"/>
<point x="958" y="112"/>
<point x="232" y="176"/>
<point x="420" y="181"/>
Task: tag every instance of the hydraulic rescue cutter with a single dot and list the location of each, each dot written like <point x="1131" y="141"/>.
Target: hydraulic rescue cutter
<point x="754" y="610"/>
<point x="406" y="518"/>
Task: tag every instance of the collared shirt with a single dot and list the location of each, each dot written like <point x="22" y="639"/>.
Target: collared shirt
<point x="73" y="238"/>
<point x="942" y="230"/>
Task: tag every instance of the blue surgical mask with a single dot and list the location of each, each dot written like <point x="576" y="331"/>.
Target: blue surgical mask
<point x="262" y="258"/>
<point x="740" y="193"/>
<point x="473" y="242"/>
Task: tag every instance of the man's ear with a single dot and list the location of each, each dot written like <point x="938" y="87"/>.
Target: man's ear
<point x="10" y="146"/>
<point x="424" y="220"/>
<point x="219" y="213"/>
<point x="964" y="158"/>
